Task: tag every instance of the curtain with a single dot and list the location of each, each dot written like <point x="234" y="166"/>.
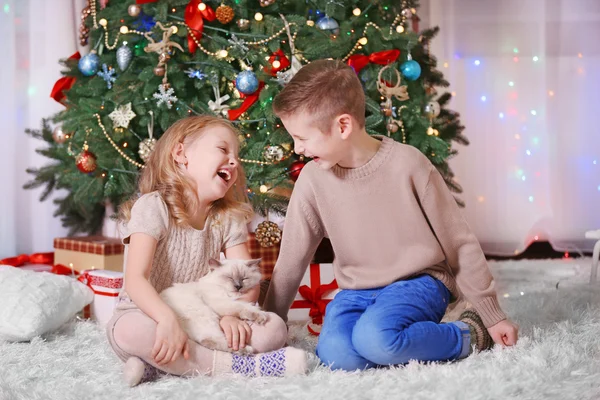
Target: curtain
<point x="526" y="77"/>
<point x="34" y="35"/>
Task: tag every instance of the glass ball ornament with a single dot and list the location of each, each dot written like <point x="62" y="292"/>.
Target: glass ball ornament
<point x="243" y="24"/>
<point x="134" y="10"/>
<point x="273" y="153"/>
<point x="246" y="82"/>
<point x="59" y="136"/>
<point x="146" y="148"/>
<point x="86" y="161"/>
<point x="411" y="70"/>
<point x="432" y="109"/>
<point x="329" y="24"/>
<point x="89" y="64"/>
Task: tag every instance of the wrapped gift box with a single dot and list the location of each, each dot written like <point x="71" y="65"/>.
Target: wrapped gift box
<point x="317" y="288"/>
<point x="106" y="285"/>
<point x="268" y="256"/>
<point x="89" y="252"/>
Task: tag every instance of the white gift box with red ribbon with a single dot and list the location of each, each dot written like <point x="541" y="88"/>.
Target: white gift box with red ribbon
<point x="106" y="285"/>
<point x="317" y="288"/>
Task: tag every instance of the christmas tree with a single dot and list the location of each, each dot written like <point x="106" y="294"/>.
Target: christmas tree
<point x="153" y="62"/>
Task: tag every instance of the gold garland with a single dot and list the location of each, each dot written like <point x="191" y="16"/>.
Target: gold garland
<point x="121" y="152"/>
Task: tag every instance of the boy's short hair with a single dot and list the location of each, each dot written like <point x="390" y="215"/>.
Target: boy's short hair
<point x="325" y="89"/>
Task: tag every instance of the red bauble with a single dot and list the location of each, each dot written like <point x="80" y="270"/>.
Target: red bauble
<point x="295" y="169"/>
<point x="86" y="161"/>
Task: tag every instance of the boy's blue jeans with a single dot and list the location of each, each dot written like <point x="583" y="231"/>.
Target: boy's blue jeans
<point x="391" y="325"/>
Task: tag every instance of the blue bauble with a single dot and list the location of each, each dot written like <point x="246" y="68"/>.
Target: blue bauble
<point x="329" y="24"/>
<point x="89" y="64"/>
<point x="246" y="82"/>
<point x="411" y="70"/>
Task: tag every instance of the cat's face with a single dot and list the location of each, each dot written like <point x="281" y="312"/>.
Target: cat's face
<point x="235" y="276"/>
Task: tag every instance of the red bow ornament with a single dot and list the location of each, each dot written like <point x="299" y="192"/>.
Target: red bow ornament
<point x="359" y="61"/>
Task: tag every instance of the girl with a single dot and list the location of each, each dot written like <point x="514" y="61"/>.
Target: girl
<point x="192" y="207"/>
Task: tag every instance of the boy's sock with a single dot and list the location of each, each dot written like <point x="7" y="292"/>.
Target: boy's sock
<point x="136" y="371"/>
<point x="284" y="362"/>
<point x="480" y="338"/>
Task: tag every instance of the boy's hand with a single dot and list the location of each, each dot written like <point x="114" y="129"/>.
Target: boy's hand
<point x="237" y="332"/>
<point x="505" y="333"/>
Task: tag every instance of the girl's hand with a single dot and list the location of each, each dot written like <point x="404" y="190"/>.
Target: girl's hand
<point x="237" y="332"/>
<point x="170" y="342"/>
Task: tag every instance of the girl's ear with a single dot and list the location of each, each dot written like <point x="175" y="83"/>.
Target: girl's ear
<point x="178" y="154"/>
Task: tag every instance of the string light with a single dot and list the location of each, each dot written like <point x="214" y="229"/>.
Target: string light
<point x="258" y="16"/>
<point x="480" y="199"/>
<point x="483" y="98"/>
<point x="531" y="199"/>
<point x="201" y="6"/>
<point x="580" y="55"/>
<point x="501" y="115"/>
<point x="363" y="41"/>
<point x="551" y="93"/>
<point x="445" y="65"/>
<point x="356" y="11"/>
<point x="533" y="112"/>
<point x="516" y="59"/>
<point x="477" y="62"/>
<point x="511" y="84"/>
<point x="400" y="29"/>
<point x="263" y="189"/>
<point x="276" y="64"/>
<point x="535" y="58"/>
<point x="124" y="29"/>
<point x="103" y="22"/>
<point x="174" y="29"/>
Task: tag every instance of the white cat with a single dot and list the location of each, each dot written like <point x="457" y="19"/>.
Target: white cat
<point x="200" y="305"/>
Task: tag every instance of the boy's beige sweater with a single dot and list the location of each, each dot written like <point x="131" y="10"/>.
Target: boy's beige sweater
<point x="390" y="219"/>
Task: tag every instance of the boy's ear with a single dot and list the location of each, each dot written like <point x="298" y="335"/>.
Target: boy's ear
<point x="178" y="154"/>
<point x="344" y="125"/>
<point x="214" y="264"/>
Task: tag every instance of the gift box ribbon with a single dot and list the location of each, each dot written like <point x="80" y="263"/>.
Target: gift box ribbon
<point x="313" y="296"/>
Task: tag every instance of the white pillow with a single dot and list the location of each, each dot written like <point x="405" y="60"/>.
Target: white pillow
<point x="35" y="303"/>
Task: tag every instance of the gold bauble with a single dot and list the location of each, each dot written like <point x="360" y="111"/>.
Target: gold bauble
<point x="224" y="14"/>
<point x="268" y="234"/>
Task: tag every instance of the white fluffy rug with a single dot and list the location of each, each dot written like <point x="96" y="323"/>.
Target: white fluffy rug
<point x="558" y="356"/>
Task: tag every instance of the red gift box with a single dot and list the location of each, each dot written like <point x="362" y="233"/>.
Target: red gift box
<point x="268" y="256"/>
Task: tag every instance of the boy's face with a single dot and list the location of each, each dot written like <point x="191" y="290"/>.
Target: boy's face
<point x="326" y="150"/>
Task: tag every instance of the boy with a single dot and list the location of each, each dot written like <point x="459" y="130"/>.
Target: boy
<point x="402" y="248"/>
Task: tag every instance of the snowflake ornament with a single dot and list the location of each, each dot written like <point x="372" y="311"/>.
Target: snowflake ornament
<point x="165" y="95"/>
<point x="238" y="43"/>
<point x="108" y="75"/>
<point x="122" y="115"/>
<point x="195" y="73"/>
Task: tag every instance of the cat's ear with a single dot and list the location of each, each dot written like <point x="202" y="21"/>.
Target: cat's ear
<point x="214" y="264"/>
<point x="253" y="263"/>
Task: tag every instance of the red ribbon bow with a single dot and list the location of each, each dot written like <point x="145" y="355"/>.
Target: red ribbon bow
<point x="313" y="297"/>
<point x="248" y="101"/>
<point x="194" y="18"/>
<point x="36" y="258"/>
<point x="359" y="61"/>
<point x="39" y="258"/>
<point x="64" y="83"/>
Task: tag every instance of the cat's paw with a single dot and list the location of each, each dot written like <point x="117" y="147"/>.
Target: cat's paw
<point x="261" y="317"/>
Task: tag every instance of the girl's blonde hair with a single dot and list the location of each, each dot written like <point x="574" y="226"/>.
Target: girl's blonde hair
<point x="163" y="174"/>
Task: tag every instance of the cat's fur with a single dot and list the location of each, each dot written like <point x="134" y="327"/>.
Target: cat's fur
<point x="200" y="305"/>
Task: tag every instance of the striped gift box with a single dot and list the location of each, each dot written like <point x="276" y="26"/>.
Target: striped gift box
<point x="89" y="252"/>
